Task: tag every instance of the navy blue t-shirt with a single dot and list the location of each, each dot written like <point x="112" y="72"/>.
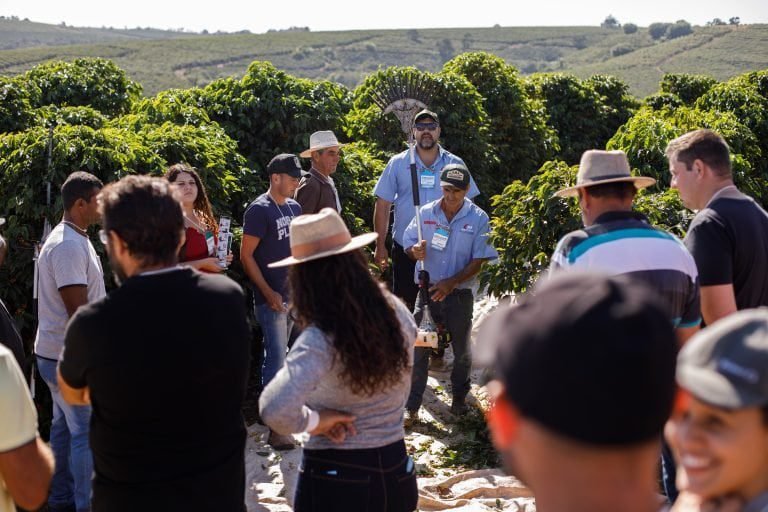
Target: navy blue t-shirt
<point x="270" y="222"/>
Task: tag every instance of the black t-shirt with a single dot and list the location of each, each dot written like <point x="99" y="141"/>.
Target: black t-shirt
<point x="166" y="359"/>
<point x="729" y="241"/>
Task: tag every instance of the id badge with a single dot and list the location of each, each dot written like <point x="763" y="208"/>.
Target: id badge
<point x="211" y="242"/>
<point x="427" y="179"/>
<point x="440" y="238"/>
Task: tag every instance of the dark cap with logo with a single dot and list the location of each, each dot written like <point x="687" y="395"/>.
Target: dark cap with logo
<point x="285" y="163"/>
<point x="726" y="364"/>
<point x="456" y="175"/>
<point x="425" y="113"/>
<point x="590" y="357"/>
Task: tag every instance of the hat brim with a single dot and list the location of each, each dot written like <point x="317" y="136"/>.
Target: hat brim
<point x="711" y="387"/>
<point x="308" y="152"/>
<point x="356" y="243"/>
<point x="639" y="181"/>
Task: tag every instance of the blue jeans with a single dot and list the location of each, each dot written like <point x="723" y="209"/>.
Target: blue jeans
<point x="455" y="311"/>
<point x="276" y="328"/>
<point x="69" y="443"/>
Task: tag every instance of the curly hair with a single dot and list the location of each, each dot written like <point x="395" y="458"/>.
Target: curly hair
<point x="202" y="205"/>
<point x="358" y="319"/>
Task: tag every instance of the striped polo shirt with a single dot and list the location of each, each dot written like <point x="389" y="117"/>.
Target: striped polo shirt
<point x="623" y="242"/>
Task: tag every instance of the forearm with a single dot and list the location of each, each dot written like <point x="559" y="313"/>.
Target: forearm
<point x="27" y="472"/>
<point x="381" y="219"/>
<point x="468" y="272"/>
<point x="254" y="273"/>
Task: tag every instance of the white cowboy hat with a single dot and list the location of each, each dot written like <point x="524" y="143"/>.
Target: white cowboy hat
<point x="320" y="140"/>
<point x="598" y="167"/>
<point x="319" y="235"/>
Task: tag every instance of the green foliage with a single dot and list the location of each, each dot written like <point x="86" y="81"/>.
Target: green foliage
<point x="679" y="29"/>
<point x="658" y="30"/>
<point x="517" y="128"/>
<point x="359" y="168"/>
<point x="662" y="100"/>
<point x="269" y="112"/>
<point x="630" y="28"/>
<point x="645" y="137"/>
<point x="585" y="114"/>
<point x="175" y="106"/>
<point x="16" y="100"/>
<point x="96" y="83"/>
<point x="664" y="210"/>
<point x="76" y="116"/>
<point x="527" y="222"/>
<point x="621" y="49"/>
<point x="687" y="88"/>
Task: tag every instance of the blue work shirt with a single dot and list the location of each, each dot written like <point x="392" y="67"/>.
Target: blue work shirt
<point x="394" y="186"/>
<point x="467" y="240"/>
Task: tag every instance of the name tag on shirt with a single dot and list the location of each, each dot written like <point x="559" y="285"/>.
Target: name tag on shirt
<point x="427" y="179"/>
<point x="440" y="238"/>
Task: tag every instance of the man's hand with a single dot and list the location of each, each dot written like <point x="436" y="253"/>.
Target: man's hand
<point x="209" y="265"/>
<point x="442" y="289"/>
<point x="274" y="301"/>
<point x="381" y="256"/>
<point x="419" y="251"/>
<point x="335" y="425"/>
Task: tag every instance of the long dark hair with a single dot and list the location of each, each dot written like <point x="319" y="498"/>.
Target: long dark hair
<point x="338" y="295"/>
<point x="202" y="205"/>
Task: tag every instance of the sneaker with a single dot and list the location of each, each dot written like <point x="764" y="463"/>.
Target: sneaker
<point x="411" y="417"/>
<point x="280" y="442"/>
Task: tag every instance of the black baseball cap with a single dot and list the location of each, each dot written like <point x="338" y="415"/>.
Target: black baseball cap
<point x="726" y="364"/>
<point x="590" y="357"/>
<point x="285" y="163"/>
<point x="425" y="113"/>
<point x="456" y="175"/>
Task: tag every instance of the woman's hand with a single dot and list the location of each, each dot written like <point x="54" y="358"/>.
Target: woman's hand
<point x="687" y="502"/>
<point x="335" y="425"/>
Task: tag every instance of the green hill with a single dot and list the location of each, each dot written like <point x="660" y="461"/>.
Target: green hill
<point x="165" y="59"/>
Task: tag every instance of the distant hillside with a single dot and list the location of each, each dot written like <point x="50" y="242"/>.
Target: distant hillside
<point x="15" y="33"/>
<point x="165" y="59"/>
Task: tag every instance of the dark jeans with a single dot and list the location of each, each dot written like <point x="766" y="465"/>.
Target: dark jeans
<point x="372" y="479"/>
<point x="455" y="311"/>
<point x="403" y="284"/>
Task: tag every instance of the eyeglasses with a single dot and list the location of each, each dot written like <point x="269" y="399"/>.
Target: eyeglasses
<point x="103" y="237"/>
<point x="420" y="127"/>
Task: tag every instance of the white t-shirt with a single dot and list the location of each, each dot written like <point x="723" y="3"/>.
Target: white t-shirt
<point x="19" y="418"/>
<point x="67" y="258"/>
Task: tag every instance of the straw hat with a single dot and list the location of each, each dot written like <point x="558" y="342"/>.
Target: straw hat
<point x="598" y="167"/>
<point x="320" y="235"/>
<point x="320" y="140"/>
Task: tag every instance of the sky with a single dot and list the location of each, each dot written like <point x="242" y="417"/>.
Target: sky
<point x="260" y="16"/>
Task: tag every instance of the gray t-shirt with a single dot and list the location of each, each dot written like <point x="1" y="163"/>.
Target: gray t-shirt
<point x="67" y="258"/>
<point x="310" y="380"/>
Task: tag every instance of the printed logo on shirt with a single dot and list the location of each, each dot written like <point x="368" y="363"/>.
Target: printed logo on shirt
<point x="282" y="226"/>
<point x="467" y="228"/>
<point x="430" y="222"/>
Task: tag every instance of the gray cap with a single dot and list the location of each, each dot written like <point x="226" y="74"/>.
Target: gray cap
<point x="726" y="364"/>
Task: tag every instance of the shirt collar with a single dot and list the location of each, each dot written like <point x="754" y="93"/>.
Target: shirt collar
<point x="463" y="211"/>
<point x="729" y="191"/>
<point x="317" y="174"/>
<point x="620" y="215"/>
<point x="758" y="504"/>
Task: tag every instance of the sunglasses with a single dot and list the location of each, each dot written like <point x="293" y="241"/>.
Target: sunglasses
<point x="420" y="127"/>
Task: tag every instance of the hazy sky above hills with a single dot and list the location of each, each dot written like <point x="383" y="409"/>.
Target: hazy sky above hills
<point x="259" y="16"/>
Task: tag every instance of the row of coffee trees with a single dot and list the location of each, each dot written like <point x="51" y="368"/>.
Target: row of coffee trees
<point x="520" y="136"/>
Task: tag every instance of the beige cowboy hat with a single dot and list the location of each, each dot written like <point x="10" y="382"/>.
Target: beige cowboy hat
<point x="320" y="140"/>
<point x="319" y="235"/>
<point x="598" y="167"/>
